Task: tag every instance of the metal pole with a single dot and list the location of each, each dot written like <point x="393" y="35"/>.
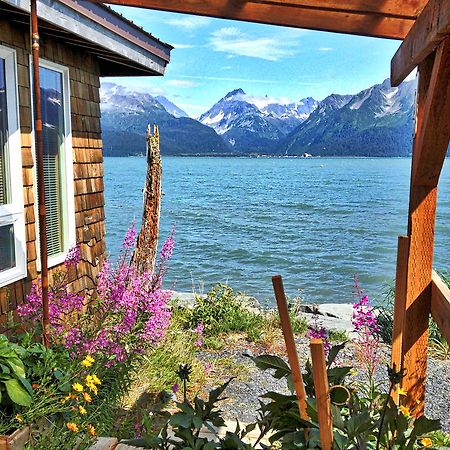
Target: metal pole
<point x="40" y="173"/>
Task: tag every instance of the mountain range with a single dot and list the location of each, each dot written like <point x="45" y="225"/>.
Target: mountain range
<point x="377" y="121"/>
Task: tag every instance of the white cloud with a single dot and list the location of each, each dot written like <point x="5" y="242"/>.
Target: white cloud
<point x="182" y="83"/>
<point x="234" y="42"/>
<point x="181" y="46"/>
<point x="325" y="49"/>
<point x="189" y="23"/>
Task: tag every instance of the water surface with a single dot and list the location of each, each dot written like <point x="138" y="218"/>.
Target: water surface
<point x="317" y="222"/>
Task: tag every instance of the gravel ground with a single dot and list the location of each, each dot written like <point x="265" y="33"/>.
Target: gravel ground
<point x="242" y="394"/>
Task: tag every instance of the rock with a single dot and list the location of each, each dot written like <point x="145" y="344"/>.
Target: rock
<point x="248" y="353"/>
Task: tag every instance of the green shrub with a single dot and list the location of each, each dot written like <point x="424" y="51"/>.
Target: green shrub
<point x="224" y="311"/>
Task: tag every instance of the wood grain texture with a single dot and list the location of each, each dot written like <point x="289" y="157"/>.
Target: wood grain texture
<point x="400" y="305"/>
<point x="440" y="305"/>
<point x="87" y="155"/>
<point x="291" y="349"/>
<point x="421" y="225"/>
<point x="322" y="392"/>
<point x="341" y="17"/>
<point x="430" y="28"/>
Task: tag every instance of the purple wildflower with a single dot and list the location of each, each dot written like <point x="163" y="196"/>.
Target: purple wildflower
<point x="73" y="257"/>
<point x="175" y="388"/>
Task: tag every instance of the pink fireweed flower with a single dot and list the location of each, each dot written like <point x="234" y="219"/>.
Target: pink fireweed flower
<point x="318" y="331"/>
<point x="73" y="257"/>
<point x="199" y="329"/>
<point x="130" y="238"/>
<point x="366" y="329"/>
<point x="133" y="309"/>
<point x="207" y="367"/>
<point x="168" y="246"/>
<point x="198" y="343"/>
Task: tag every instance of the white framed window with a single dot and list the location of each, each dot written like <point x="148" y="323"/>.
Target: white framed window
<point x="58" y="162"/>
<point x="13" y="258"/>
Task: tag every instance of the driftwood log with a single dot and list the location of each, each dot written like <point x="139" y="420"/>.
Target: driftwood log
<point x="147" y="242"/>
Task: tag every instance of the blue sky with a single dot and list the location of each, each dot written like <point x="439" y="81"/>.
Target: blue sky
<point x="214" y="56"/>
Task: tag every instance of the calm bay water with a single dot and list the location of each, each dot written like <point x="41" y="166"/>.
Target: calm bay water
<point x="242" y="220"/>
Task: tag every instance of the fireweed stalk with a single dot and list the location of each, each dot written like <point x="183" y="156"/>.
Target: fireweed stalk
<point x="366" y="330"/>
<point x="128" y="312"/>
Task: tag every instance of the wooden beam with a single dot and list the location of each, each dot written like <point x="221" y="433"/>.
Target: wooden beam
<point x="430" y="28"/>
<point x="440" y="305"/>
<point x="421" y="222"/>
<point x="408" y="9"/>
<point x="433" y="131"/>
<point x="400" y="304"/>
<point x="295" y="15"/>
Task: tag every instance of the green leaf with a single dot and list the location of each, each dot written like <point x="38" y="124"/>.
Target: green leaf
<point x="16" y="365"/>
<point x="17" y="393"/>
<point x="267" y="362"/>
<point x="334" y="351"/>
<point x="181" y="420"/>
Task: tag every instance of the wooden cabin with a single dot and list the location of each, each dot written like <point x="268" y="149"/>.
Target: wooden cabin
<point x="80" y="42"/>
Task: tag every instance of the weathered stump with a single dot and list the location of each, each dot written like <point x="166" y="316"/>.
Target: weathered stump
<point x="147" y="242"/>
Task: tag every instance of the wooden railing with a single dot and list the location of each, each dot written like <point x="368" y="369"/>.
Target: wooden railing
<point x="440" y="305"/>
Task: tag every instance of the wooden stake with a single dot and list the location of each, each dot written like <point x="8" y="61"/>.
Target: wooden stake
<point x="290" y="344"/>
<point x="400" y="305"/>
<point x="322" y="394"/>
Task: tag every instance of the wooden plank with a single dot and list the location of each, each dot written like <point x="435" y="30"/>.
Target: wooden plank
<point x="291" y="349"/>
<point x="398" y="8"/>
<point x="432" y="25"/>
<point x="440" y="305"/>
<point x="322" y="391"/>
<point x="421" y="222"/>
<point x="433" y="132"/>
<point x="400" y="304"/>
<point x="287" y="14"/>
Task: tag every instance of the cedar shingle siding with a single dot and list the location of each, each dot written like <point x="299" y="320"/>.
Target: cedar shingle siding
<point x="87" y="157"/>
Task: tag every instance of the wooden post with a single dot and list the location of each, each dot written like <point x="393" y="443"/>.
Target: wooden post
<point x="430" y="146"/>
<point x="322" y="390"/>
<point x="290" y="344"/>
<point x="147" y="242"/>
<point x="400" y="305"/>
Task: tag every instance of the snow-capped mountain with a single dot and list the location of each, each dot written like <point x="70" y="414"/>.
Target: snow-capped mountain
<point x="377" y="121"/>
<point x="255" y="124"/>
<point x="126" y="114"/>
<point x="170" y="107"/>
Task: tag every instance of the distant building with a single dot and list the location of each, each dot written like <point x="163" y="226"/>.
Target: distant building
<point x="80" y="42"/>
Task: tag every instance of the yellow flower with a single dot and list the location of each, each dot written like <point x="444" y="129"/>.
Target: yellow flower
<point x="405" y="411"/>
<point x="73" y="427"/>
<point x="87" y="397"/>
<point x="353" y="372"/>
<point x="93" y="388"/>
<point x="91" y="430"/>
<point x="19" y="418"/>
<point x="86" y="362"/>
<point x="426" y="442"/>
<point x="95" y="379"/>
<point x="82" y="410"/>
<point x="77" y="387"/>
<point x="401" y="391"/>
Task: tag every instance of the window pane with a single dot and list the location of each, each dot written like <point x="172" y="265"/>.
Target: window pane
<point x="7" y="253"/>
<point x="3" y="136"/>
<point x="53" y="140"/>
